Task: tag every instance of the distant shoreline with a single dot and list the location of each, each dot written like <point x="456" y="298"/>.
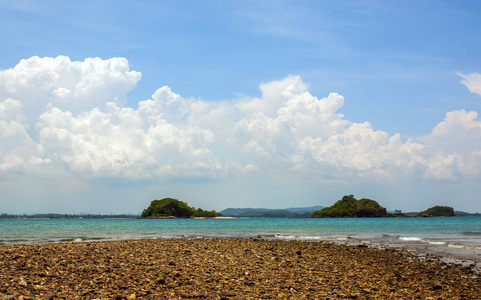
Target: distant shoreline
<point x="216" y="218"/>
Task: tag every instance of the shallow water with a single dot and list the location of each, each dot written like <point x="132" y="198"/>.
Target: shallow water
<point x="457" y="236"/>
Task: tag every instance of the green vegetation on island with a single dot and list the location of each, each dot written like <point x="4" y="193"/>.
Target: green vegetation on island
<point x="350" y="207"/>
<point x="169" y="207"/>
<point x="438" y="211"/>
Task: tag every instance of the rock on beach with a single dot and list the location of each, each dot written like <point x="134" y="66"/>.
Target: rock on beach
<point x="226" y="269"/>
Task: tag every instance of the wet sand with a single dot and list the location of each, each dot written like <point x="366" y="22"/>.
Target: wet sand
<point x="227" y="269"/>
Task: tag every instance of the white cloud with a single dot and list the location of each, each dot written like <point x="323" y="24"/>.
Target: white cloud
<point x="472" y="82"/>
<point x="119" y="143"/>
<point x="68" y="117"/>
<point x="15" y="143"/>
<point x="455" y="143"/>
<point x="72" y="85"/>
<point x="286" y="114"/>
<point x="459" y="132"/>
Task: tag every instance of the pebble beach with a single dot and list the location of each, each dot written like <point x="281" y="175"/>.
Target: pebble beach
<point x="227" y="269"/>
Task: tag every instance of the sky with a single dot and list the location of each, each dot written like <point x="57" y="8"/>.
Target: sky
<point x="107" y="105"/>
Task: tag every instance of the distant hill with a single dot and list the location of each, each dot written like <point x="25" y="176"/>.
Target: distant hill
<point x="466" y="214"/>
<point x="304" y="209"/>
<point x="292" y="212"/>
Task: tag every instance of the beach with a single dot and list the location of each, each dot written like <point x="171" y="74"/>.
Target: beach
<point x="227" y="268"/>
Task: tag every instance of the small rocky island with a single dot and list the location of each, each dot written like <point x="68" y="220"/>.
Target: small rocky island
<point x="350" y="207"/>
<point x="438" y="211"/>
<point x="173" y="208"/>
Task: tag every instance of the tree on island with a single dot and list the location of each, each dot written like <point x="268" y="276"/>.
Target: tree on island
<point x="438" y="211"/>
<point x="350" y="207"/>
<point x="169" y="207"/>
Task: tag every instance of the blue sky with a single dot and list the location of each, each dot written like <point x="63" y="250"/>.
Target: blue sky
<point x="228" y="103"/>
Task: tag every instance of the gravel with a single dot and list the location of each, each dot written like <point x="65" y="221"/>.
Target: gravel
<point x="227" y="269"/>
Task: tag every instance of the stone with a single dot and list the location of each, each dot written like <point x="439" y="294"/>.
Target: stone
<point x="222" y="269"/>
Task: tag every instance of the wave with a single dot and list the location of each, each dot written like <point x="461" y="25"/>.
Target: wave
<point x="63" y="240"/>
<point x="15" y="241"/>
<point x="437" y="243"/>
<point x="308" y="238"/>
<point x="472" y="232"/>
<point x="422" y="240"/>
<point x="410" y="238"/>
<point x="440" y="243"/>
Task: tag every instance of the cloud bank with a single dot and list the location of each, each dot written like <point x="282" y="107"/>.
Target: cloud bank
<point x="59" y="117"/>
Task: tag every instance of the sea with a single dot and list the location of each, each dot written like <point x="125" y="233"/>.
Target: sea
<point x="456" y="237"/>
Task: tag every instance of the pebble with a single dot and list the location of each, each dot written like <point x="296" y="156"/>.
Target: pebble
<point x="226" y="269"/>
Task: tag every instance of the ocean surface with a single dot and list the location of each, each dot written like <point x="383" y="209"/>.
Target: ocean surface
<point x="455" y="236"/>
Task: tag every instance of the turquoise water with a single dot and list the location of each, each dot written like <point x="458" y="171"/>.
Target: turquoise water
<point x="459" y="232"/>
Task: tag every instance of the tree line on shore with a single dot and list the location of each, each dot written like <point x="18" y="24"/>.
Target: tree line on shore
<point x="67" y="216"/>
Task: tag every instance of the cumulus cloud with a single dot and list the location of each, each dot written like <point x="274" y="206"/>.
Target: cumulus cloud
<point x="455" y="144"/>
<point x="16" y="145"/>
<point x="70" y="116"/>
<point x="459" y="132"/>
<point x="472" y="82"/>
<point x="72" y="85"/>
<point x="120" y="143"/>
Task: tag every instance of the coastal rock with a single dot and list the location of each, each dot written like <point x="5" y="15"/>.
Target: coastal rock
<point x="22" y="282"/>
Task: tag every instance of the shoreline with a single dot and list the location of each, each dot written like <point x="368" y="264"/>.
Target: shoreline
<point x="227" y="268"/>
<point x="465" y="257"/>
<point x="427" y="251"/>
<point x="459" y="244"/>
